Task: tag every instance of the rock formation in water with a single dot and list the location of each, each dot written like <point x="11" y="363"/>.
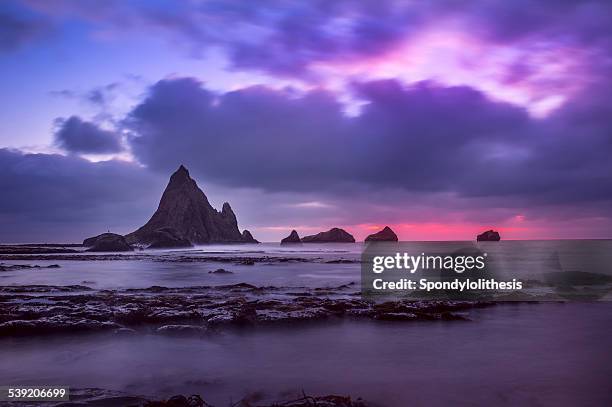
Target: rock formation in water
<point x="185" y="217"/>
<point x="334" y="235"/>
<point x="385" y="235"/>
<point x="247" y="237"/>
<point x="293" y="238"/>
<point x="488" y="236"/>
<point x="107" y="242"/>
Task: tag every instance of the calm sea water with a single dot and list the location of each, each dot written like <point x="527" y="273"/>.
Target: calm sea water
<point x="547" y="354"/>
<point x="524" y="259"/>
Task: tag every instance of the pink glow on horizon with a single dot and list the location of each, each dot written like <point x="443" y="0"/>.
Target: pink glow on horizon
<point x="518" y="227"/>
<point x="537" y="78"/>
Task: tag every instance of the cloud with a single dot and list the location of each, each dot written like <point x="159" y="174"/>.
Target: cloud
<point x="53" y="198"/>
<point x="78" y="136"/>
<point x="16" y="30"/>
<point x="424" y="139"/>
<point x="288" y="37"/>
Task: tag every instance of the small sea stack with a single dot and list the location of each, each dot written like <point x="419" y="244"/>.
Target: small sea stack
<point x="488" y="236"/>
<point x="385" y="235"/>
<point x="247" y="237"/>
<point x="107" y="242"/>
<point x="334" y="235"/>
<point x="293" y="238"/>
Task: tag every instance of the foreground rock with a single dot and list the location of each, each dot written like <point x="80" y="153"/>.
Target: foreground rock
<point x="12" y="267"/>
<point x="107" y="242"/>
<point x="44" y="310"/>
<point x="293" y="238"/>
<point x="385" y="235"/>
<point x="334" y="235"/>
<point x="185" y="210"/>
<point x="111" y="398"/>
<point x="301" y="401"/>
<point x="488" y="236"/>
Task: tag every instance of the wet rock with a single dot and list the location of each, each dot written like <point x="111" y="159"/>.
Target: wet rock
<point x="385" y="235"/>
<point x="55" y="324"/>
<point x="10" y="267"/>
<point x="125" y="331"/>
<point x="488" y="236"/>
<point x="293" y="238"/>
<point x="108" y="242"/>
<point x="28" y="250"/>
<point x="334" y="235"/>
<point x="167" y="238"/>
<point x="39" y="310"/>
<point x="181" y="330"/>
<point x="220" y="271"/>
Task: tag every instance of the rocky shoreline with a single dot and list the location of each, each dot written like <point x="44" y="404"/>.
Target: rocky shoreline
<point x="43" y="310"/>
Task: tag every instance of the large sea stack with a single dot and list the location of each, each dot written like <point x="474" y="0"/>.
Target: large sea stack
<point x="334" y="235"/>
<point x="185" y="217"/>
<point x="488" y="236"/>
<point x="385" y="235"/>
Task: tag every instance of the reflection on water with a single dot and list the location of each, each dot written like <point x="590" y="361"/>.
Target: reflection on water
<point x="538" y="354"/>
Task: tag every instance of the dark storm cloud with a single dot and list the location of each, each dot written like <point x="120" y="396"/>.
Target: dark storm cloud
<point x="424" y="138"/>
<point x="53" y="197"/>
<point x="79" y="136"/>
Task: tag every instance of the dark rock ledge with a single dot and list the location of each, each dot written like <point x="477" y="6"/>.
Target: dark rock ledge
<point x="103" y="397"/>
<point x="40" y="310"/>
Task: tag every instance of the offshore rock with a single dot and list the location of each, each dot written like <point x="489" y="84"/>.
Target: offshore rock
<point x="385" y="235"/>
<point x="107" y="242"/>
<point x="334" y="235"/>
<point x="488" y="236"/>
<point x="185" y="209"/>
<point x="293" y="238"/>
<point x="247" y="237"/>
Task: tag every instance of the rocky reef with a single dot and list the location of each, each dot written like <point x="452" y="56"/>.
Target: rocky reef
<point x="42" y="309"/>
<point x="385" y="235"/>
<point x="488" y="236"/>
<point x="293" y="238"/>
<point x="301" y="401"/>
<point x="334" y="235"/>
<point x="111" y="398"/>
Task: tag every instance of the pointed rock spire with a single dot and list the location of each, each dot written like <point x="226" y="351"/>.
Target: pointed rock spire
<point x="185" y="214"/>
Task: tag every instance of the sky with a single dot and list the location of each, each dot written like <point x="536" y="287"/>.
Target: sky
<point x="440" y="119"/>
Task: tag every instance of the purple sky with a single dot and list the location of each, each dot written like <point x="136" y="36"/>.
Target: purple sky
<point x="437" y="118"/>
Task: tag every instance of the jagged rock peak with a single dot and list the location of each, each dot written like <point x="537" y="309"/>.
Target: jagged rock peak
<point x="185" y="211"/>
